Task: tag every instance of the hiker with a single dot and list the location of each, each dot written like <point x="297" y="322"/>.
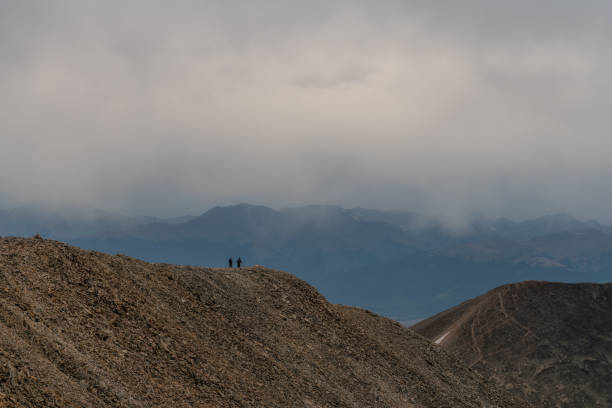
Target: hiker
<point x="230" y="262"/>
<point x="239" y="262"/>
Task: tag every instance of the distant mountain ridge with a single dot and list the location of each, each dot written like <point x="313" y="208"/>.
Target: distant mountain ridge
<point x="397" y="263"/>
<point x="72" y="223"/>
<point x="550" y="343"/>
<point x="545" y="225"/>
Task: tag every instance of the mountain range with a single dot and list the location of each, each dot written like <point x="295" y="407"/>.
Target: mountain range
<point x="396" y="263"/>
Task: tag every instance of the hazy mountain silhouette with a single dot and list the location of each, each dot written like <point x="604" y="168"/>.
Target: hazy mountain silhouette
<point x="546" y="225"/>
<point x="548" y="342"/>
<point x="71" y="223"/>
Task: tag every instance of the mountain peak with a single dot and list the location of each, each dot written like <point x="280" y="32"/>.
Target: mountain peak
<point x="240" y="208"/>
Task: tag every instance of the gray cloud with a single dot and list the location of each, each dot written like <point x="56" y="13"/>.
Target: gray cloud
<point x="170" y="107"/>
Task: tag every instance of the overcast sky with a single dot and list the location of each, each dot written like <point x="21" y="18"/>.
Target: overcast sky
<point x="170" y="107"/>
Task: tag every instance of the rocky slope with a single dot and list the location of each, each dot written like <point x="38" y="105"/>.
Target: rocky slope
<point x="86" y="329"/>
<point x="550" y="343"/>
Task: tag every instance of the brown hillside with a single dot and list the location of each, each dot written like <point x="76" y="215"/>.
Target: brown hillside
<point x="85" y="329"/>
<point x="550" y="343"/>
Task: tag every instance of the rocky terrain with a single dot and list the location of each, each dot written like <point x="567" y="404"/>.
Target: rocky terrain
<point x="550" y="343"/>
<point x="86" y="329"/>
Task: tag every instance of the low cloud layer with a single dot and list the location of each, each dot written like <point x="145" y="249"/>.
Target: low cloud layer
<point x="172" y="107"/>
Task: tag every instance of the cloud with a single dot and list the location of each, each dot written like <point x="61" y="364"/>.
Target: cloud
<point x="444" y="108"/>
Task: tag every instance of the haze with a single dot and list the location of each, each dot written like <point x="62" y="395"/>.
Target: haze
<point x="449" y="109"/>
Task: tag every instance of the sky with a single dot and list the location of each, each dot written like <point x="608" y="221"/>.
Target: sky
<point x="445" y="108"/>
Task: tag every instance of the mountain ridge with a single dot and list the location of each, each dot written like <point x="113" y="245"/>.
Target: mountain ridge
<point x="95" y="330"/>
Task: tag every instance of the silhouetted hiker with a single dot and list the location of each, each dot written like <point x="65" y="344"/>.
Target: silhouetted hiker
<point x="229" y="261"/>
<point x="238" y="262"/>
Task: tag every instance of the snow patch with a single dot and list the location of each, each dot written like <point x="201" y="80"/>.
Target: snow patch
<point x="441" y="338"/>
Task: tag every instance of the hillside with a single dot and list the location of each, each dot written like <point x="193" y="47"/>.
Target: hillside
<point x="86" y="329"/>
<point x="548" y="342"/>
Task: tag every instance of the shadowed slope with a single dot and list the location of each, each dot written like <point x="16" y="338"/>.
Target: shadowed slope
<point x="548" y="342"/>
<point x="86" y="329"/>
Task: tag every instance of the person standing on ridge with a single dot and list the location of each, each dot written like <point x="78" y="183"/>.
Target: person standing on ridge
<point x="230" y="262"/>
<point x="238" y="262"/>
